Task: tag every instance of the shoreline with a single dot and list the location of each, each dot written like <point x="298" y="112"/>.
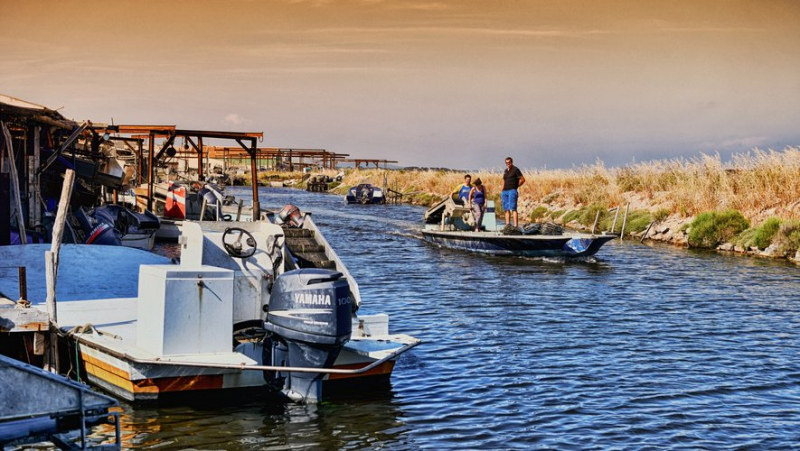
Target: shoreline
<point x="575" y="199"/>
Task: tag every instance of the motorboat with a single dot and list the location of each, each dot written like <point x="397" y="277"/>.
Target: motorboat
<point x="133" y="229"/>
<point x="365" y="193"/>
<point x="249" y="305"/>
<point x="176" y="202"/>
<point x="451" y="224"/>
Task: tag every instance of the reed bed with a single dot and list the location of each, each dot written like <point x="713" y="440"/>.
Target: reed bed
<point x="759" y="184"/>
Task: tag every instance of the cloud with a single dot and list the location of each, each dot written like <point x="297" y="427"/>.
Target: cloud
<point x="738" y="143"/>
<point x="233" y="119"/>
<point x="536" y="33"/>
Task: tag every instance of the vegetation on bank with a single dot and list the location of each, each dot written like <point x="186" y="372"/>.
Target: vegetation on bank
<point x="709" y="230"/>
<point x="759" y="187"/>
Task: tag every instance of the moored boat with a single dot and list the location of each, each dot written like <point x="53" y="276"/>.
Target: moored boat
<point x="242" y="310"/>
<point x="365" y="193"/>
<point x="450" y="224"/>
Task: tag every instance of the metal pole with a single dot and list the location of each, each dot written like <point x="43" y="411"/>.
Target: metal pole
<point x="646" y="231"/>
<point x="624" y="221"/>
<point x="616" y="215"/>
<point x="12" y="165"/>
<point x="200" y="176"/>
<point x="256" y="204"/>
<point x="203" y="209"/>
<point x="151" y="149"/>
<point x="140" y="160"/>
<point x="37" y="189"/>
<point x="5" y="208"/>
<point x="596" y="218"/>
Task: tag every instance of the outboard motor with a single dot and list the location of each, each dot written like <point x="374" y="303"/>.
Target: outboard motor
<point x="309" y="318"/>
<point x="290" y="216"/>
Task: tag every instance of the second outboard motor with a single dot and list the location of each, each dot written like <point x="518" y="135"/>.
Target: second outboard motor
<point x="290" y="216"/>
<point x="309" y="317"/>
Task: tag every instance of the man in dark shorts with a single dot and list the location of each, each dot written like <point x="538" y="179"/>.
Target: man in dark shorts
<point x="512" y="180"/>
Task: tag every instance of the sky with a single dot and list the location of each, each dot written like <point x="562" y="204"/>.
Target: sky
<point x="434" y="83"/>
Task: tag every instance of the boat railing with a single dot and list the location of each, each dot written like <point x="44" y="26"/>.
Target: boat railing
<point x="29" y="415"/>
<point x="242" y="366"/>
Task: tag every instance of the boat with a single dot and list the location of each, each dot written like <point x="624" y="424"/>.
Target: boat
<point x="132" y="229"/>
<point x="365" y="193"/>
<point x="451" y="224"/>
<point x="250" y="305"/>
<point x="176" y="202"/>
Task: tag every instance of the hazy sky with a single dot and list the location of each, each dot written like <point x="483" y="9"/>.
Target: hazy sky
<point x="454" y="83"/>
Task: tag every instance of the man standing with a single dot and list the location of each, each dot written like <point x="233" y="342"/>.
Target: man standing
<point x="512" y="180"/>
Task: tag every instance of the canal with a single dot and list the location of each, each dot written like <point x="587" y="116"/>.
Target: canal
<point x="641" y="347"/>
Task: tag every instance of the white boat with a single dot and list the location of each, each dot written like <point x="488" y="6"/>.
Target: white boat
<point x="146" y="329"/>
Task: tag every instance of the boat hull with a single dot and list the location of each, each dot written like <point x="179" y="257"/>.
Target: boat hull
<point x="118" y="374"/>
<point x="494" y="243"/>
<point x="145" y="241"/>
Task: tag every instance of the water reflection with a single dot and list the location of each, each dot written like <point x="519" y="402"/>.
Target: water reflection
<point x="344" y="420"/>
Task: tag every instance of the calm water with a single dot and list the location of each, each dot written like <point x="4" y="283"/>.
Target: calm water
<point x="645" y="347"/>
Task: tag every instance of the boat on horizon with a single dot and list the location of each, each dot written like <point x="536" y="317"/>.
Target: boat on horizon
<point x="451" y="224"/>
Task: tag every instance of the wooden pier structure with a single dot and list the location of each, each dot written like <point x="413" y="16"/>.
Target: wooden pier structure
<point x="282" y="159"/>
<point x="357" y="162"/>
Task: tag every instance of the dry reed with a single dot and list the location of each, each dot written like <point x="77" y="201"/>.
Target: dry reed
<point x="759" y="184"/>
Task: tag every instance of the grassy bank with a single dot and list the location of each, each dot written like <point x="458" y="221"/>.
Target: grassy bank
<point x="759" y="185"/>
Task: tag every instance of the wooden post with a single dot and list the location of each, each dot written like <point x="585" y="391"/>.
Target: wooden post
<point x="61" y="215"/>
<point x="51" y="269"/>
<point x="624" y="221"/>
<point x="12" y="164"/>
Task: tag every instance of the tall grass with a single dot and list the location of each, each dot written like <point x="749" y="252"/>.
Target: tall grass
<point x="759" y="184"/>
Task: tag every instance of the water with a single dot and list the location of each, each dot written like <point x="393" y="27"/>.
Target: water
<point x="643" y="347"/>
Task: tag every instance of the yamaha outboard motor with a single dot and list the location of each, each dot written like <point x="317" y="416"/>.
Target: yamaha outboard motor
<point x="309" y="317"/>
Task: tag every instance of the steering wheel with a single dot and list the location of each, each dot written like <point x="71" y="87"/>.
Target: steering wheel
<point x="235" y="248"/>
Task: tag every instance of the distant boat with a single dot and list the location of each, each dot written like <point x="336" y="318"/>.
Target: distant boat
<point x="365" y="194"/>
<point x="450" y="224"/>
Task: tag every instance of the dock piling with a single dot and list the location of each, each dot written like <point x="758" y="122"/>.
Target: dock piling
<point x="23" y="284"/>
<point x="51" y="268"/>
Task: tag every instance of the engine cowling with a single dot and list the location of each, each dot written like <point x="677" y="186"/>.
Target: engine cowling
<point x="309" y="312"/>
